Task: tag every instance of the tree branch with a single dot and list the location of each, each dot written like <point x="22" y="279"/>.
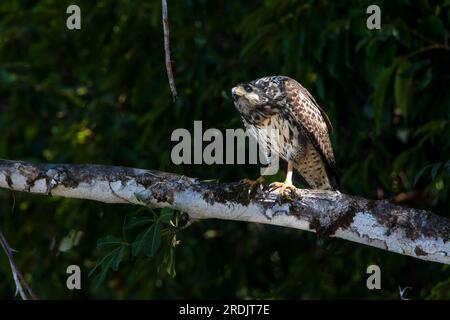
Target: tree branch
<point x="19" y="279"/>
<point x="166" y="31"/>
<point x="380" y="224"/>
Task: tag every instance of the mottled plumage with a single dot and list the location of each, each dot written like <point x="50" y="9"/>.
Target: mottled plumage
<point x="281" y="103"/>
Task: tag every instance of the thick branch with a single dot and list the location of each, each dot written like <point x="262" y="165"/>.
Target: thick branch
<point x="380" y="224"/>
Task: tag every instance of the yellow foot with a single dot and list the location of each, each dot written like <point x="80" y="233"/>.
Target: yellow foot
<point x="284" y="188"/>
<point x="254" y="184"/>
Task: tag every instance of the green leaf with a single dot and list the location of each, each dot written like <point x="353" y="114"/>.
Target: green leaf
<point x="435" y="170"/>
<point x="98" y="264"/>
<point x="118" y="257"/>
<point x="440" y="290"/>
<point x="403" y="88"/>
<point x="403" y="159"/>
<point x="420" y="174"/>
<point x="137" y="245"/>
<point x="170" y="267"/>
<point x="154" y="240"/>
<point x="166" y="215"/>
<point x="426" y="79"/>
<point x="149" y="240"/>
<point x="379" y="94"/>
<point x="434" y="25"/>
<point x="100" y="278"/>
<point x="138" y="221"/>
<point x="111" y="260"/>
<point x="109" y="240"/>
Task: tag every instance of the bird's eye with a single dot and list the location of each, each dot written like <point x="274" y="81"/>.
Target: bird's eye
<point x="248" y="88"/>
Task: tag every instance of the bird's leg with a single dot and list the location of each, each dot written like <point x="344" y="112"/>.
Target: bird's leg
<point x="253" y="184"/>
<point x="290" y="170"/>
<point x="287" y="184"/>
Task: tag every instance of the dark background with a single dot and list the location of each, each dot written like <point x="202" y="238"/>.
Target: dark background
<point x="101" y="95"/>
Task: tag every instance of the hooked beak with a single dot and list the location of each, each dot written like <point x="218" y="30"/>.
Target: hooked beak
<point x="237" y="92"/>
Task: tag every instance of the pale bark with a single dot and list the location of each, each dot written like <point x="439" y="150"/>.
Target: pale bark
<point x="380" y="224"/>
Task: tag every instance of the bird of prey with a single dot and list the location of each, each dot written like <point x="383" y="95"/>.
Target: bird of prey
<point x="303" y="128"/>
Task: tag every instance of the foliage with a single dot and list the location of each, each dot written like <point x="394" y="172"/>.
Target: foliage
<point x="101" y="95"/>
<point x="148" y="241"/>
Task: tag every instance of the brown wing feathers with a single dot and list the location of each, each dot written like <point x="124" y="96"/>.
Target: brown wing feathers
<point x="315" y="122"/>
<point x="311" y="117"/>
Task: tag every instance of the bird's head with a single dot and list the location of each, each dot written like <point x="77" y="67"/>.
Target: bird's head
<point x="261" y="94"/>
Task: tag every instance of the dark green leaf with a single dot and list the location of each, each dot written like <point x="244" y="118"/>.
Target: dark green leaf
<point x="170" y="267"/>
<point x="435" y="170"/>
<point x="109" y="240"/>
<point x="118" y="257"/>
<point x="138" y="221"/>
<point x="148" y="240"/>
<point x="101" y="277"/>
<point x="111" y="260"/>
<point x="403" y="87"/>
<point x="153" y="240"/>
<point x="138" y="244"/>
<point x="166" y="215"/>
<point x="379" y="94"/>
<point x="421" y="172"/>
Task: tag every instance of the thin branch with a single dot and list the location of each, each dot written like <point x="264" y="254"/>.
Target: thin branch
<point x="17" y="275"/>
<point x="165" y="21"/>
<point x="425" y="49"/>
<point x="382" y="224"/>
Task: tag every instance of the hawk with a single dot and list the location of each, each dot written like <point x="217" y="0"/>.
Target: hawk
<point x="303" y="128"/>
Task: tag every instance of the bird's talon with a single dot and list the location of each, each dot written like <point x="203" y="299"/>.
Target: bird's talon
<point x="284" y="189"/>
<point x="254" y="184"/>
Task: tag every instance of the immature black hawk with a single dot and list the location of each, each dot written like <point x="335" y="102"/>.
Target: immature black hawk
<point x="281" y="103"/>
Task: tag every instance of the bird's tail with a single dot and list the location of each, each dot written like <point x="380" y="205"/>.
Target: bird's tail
<point x="333" y="179"/>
